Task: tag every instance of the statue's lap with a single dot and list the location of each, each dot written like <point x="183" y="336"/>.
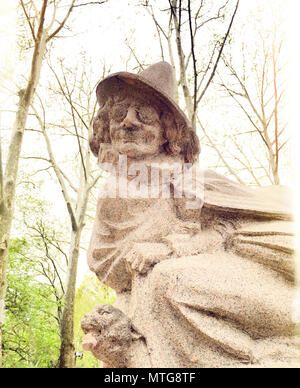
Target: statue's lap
<point x="251" y="296"/>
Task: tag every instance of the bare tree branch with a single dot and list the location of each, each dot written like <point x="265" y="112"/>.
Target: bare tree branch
<point x="247" y="164"/>
<point x="74" y="121"/>
<point x="275" y="101"/>
<point x="57" y="172"/>
<point x="141" y="66"/>
<point x="192" y="37"/>
<point x="90" y="3"/>
<point x="61" y="25"/>
<point x="1" y="169"/>
<point x="220" y="53"/>
<point x="230" y="170"/>
<point x="283" y="144"/>
<point x="28" y="20"/>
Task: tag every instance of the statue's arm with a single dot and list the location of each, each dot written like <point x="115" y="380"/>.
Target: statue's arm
<point x="106" y="254"/>
<point x="269" y="243"/>
<point x="110" y="266"/>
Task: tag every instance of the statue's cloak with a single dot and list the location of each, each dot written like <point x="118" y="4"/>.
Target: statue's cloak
<point x="225" y="195"/>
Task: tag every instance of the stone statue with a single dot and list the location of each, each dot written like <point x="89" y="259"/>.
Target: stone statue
<point x="204" y="277"/>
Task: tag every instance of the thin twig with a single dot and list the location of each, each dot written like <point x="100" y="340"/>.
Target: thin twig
<point x="220" y="53"/>
<point x="28" y="20"/>
<point x="62" y="23"/>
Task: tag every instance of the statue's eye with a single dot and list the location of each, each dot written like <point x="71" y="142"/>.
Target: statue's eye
<point x="119" y="112"/>
<point x="146" y="114"/>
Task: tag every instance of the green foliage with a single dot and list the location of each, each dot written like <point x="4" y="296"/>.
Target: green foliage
<point x="30" y="332"/>
<point x="90" y="293"/>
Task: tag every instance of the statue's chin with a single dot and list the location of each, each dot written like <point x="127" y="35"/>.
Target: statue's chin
<point x="134" y="150"/>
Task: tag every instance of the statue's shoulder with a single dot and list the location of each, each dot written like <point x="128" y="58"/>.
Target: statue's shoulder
<point x="225" y="196"/>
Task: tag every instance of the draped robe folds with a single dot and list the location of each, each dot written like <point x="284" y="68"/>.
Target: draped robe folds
<point x="219" y="291"/>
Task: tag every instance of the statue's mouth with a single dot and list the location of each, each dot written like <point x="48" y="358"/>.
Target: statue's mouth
<point x="130" y="139"/>
<point x="128" y="144"/>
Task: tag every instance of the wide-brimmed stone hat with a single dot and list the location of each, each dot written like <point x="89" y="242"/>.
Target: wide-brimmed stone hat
<point x="156" y="81"/>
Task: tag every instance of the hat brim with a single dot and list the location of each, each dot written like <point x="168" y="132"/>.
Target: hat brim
<point x="113" y="83"/>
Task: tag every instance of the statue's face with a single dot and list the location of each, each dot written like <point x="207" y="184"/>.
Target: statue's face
<point x="135" y="128"/>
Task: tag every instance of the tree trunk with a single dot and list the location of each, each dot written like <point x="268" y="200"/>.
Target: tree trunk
<point x="41" y="38"/>
<point x="7" y="203"/>
<point x="12" y="164"/>
<point x="274" y="168"/>
<point x="10" y="180"/>
<point x="181" y="57"/>
<point x="67" y="350"/>
<point x="171" y="55"/>
<point x="2" y="262"/>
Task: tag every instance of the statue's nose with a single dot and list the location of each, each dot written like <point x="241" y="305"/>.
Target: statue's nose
<point x="130" y="121"/>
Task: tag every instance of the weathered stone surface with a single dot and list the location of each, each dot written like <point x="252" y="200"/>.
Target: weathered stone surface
<point x="198" y="286"/>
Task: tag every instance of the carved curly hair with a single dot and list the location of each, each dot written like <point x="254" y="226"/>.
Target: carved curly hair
<point x="180" y="138"/>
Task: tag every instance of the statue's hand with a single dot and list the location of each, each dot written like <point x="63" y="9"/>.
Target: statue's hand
<point x="143" y="256"/>
<point x="139" y="262"/>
